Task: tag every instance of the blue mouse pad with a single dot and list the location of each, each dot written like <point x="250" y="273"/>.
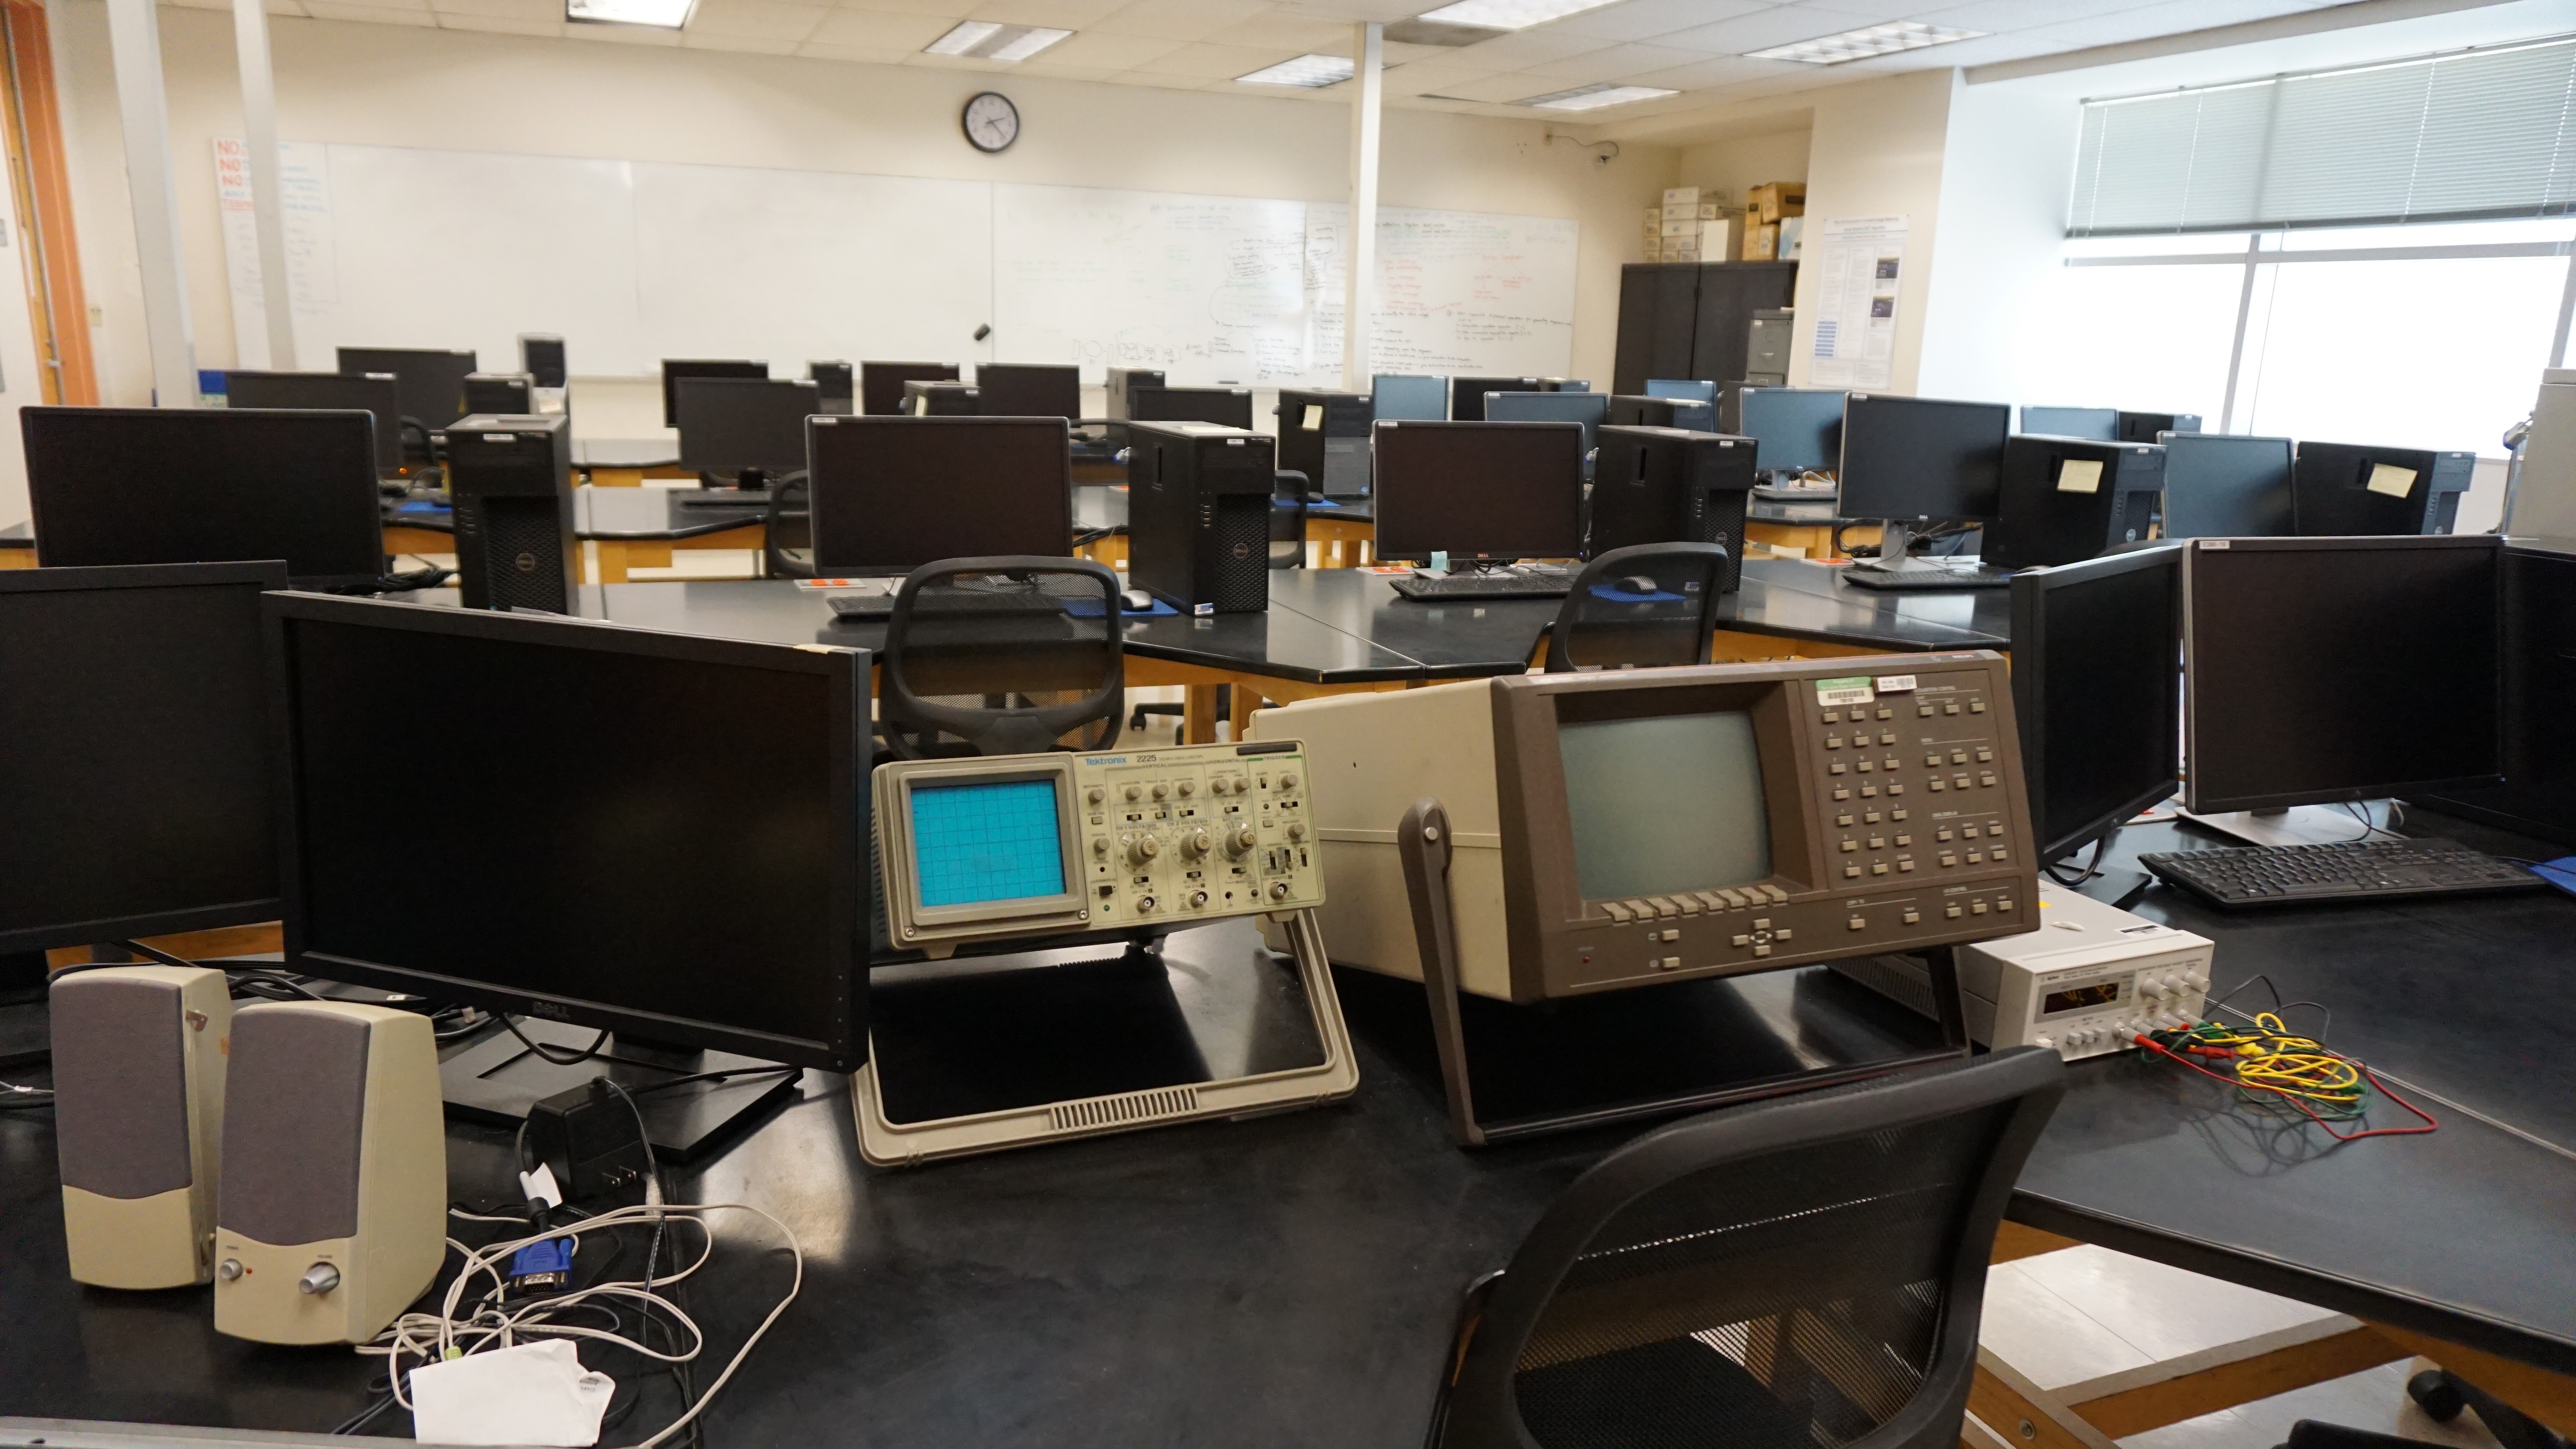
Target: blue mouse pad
<point x="2560" y="873"/>
<point x="1622" y="596"/>
<point x="417" y="508"/>
<point x="1091" y="609"/>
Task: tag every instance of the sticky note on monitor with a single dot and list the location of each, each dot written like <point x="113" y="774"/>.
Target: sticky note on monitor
<point x="1314" y="422"/>
<point x="2079" y="475"/>
<point x="2390" y="479"/>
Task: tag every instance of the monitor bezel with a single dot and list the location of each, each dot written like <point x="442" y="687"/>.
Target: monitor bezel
<point x="2289" y="476"/>
<point x="842" y="1048"/>
<point x="2200" y="803"/>
<point x="389" y="445"/>
<point x="1053" y="373"/>
<point x="1065" y="909"/>
<point x="819" y="508"/>
<point x="1136" y="396"/>
<point x="2030" y="590"/>
<point x="716" y="386"/>
<point x="447" y="356"/>
<point x="888" y="381"/>
<point x="1832" y="461"/>
<point x="1905" y="402"/>
<point x="1403" y="553"/>
<point x="671" y="396"/>
<point x="270" y="575"/>
<point x="2021" y="421"/>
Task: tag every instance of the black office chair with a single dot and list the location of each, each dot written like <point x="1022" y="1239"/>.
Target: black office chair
<point x="1802" y="1273"/>
<point x="1609" y="621"/>
<point x="1288" y="519"/>
<point x="2442" y="1395"/>
<point x="1002" y="656"/>
<point x="787" y="528"/>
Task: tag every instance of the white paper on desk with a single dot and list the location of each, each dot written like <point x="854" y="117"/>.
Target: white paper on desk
<point x="535" y="1393"/>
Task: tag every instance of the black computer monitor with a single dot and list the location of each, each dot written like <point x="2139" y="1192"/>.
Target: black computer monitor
<point x="1479" y="491"/>
<point x="134" y="706"/>
<point x="113" y="486"/>
<point x="1798" y="429"/>
<point x="892" y="494"/>
<point x="569" y="847"/>
<point x="2223" y="485"/>
<point x="1467" y="394"/>
<point x="1588" y="409"/>
<point x="881" y="383"/>
<point x="1918" y="458"/>
<point x="2319" y="670"/>
<point x="1029" y="389"/>
<point x="500" y="394"/>
<point x="1227" y="406"/>
<point x="431" y="383"/>
<point x="744" y="426"/>
<point x="541" y="357"/>
<point x="2101" y="425"/>
<point x="2143" y="427"/>
<point x="675" y="368"/>
<point x="375" y="392"/>
<point x="2096" y="681"/>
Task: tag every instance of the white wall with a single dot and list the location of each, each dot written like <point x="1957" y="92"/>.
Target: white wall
<point x="21" y="374"/>
<point x="1739" y="163"/>
<point x="392" y="85"/>
<point x="2008" y="162"/>
<point x="1877" y="150"/>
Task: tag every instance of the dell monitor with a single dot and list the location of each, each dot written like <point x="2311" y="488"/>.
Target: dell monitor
<point x="2348" y="488"/>
<point x="541" y="357"/>
<point x="688" y="899"/>
<point x="1687" y="389"/>
<point x="673" y="369"/>
<point x="1909" y="460"/>
<point x="1030" y="389"/>
<point x="881" y="383"/>
<point x="1226" y="406"/>
<point x="1481" y="491"/>
<point x="1799" y="429"/>
<point x="1590" y="409"/>
<point x="116" y="486"/>
<point x="430" y="383"/>
<point x="2326" y="670"/>
<point x="135" y="706"/>
<point x="500" y="394"/>
<point x="2097" y="692"/>
<point x="2223" y="485"/>
<point x="892" y="494"/>
<point x="1467" y="394"/>
<point x="750" y="429"/>
<point x="2102" y="425"/>
<point x="1399" y="397"/>
<point x="375" y="392"/>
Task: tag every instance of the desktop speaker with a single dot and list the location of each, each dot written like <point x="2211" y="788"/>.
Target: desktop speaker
<point x="333" y="1214"/>
<point x="1672" y="485"/>
<point x="1198" y="515"/>
<point x="511" y="479"/>
<point x="139" y="1055"/>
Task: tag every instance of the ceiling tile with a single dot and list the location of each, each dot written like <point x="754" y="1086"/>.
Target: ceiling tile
<point x="694" y="39"/>
<point x="1993" y="16"/>
<point x="1287" y="30"/>
<point x="381" y="14"/>
<point x="618" y="34"/>
<point x="1615" y="62"/>
<point x="1713" y="70"/>
<point x="1414" y="80"/>
<point x="875" y="29"/>
<point x="1065" y="72"/>
<point x="501" y="25"/>
<point x="511" y="9"/>
<point x="1853" y="14"/>
<point x="420" y="5"/>
<point x="1178" y="19"/>
<point x="1101" y="50"/>
<point x="751" y="19"/>
<point x="1526" y="47"/>
<point x="1213" y="62"/>
<point x="1058" y="14"/>
<point x="954" y="10"/>
<point x="865" y="54"/>
<point x="1383" y="11"/>
<point x="1759" y="31"/>
<point x="1509" y="86"/>
<point x="1165" y="80"/>
<point x="1646" y="19"/>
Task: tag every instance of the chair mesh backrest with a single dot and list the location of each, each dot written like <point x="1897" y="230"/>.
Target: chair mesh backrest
<point x="1785" y="1301"/>
<point x="787" y="535"/>
<point x="1609" y="621"/>
<point x="1005" y="654"/>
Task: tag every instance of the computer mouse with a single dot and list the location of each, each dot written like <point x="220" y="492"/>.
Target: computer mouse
<point x="1637" y="584"/>
<point x="1136" y="601"/>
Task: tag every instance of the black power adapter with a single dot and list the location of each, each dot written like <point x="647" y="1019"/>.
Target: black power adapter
<point x="590" y="1139"/>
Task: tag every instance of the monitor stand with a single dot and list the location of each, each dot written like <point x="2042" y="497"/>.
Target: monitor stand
<point x="1897" y="569"/>
<point x="2112" y="885"/>
<point x="498" y="1079"/>
<point x="26" y="1029"/>
<point x="2296" y="825"/>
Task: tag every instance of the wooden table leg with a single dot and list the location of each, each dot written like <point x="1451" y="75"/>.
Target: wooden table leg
<point x="616" y="477"/>
<point x="612" y="560"/>
<point x="1198" y="715"/>
<point x="1245" y="699"/>
<point x="17" y="558"/>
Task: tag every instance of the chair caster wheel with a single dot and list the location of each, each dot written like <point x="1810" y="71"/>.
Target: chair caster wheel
<point x="2432" y="1392"/>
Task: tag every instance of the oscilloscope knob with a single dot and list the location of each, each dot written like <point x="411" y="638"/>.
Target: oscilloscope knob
<point x="1161" y="790"/>
<point x="1135" y="791"/>
<point x="1287" y="779"/>
<point x="1241" y="839"/>
<point x="1197" y="844"/>
<point x="1143" y="849"/>
<point x="1100" y="845"/>
<point x="1098" y="794"/>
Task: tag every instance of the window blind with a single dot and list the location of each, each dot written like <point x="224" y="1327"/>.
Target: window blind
<point x="2481" y="133"/>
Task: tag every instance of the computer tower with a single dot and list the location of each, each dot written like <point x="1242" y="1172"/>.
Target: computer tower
<point x="836" y="386"/>
<point x="1198" y="515"/>
<point x="2064" y="500"/>
<point x="1671" y="485"/>
<point x="2343" y="489"/>
<point x="1688" y="414"/>
<point x="511" y="479"/>
<point x="2540" y="494"/>
<point x="1125" y="380"/>
<point x="1325" y="435"/>
<point x="500" y="393"/>
<point x="541" y="356"/>
<point x="2143" y="427"/>
<point x="941" y="399"/>
<point x="1766" y="347"/>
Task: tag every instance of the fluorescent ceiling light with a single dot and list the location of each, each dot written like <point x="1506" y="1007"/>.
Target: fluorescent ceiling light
<point x="1309" y="71"/>
<point x="1594" y="97"/>
<point x="668" y="14"/>
<point x="986" y="40"/>
<point x="1509" y="14"/>
<point x="1885" y="39"/>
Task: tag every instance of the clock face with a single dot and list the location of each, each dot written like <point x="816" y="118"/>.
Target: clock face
<point x="992" y="122"/>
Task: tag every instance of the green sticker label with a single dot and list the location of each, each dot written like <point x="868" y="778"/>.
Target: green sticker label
<point x="1854" y="689"/>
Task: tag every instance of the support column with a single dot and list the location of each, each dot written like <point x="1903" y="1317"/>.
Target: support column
<point x="135" y="39"/>
<point x="259" y="134"/>
<point x="1359" y="293"/>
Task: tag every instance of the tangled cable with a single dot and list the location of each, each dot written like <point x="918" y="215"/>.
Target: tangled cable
<point x="2272" y="1067"/>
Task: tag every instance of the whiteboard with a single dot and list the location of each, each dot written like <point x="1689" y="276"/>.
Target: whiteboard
<point x="635" y="261"/>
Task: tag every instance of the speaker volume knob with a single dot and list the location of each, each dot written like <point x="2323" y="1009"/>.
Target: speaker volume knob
<point x="319" y="1279"/>
<point x="229" y="1269"/>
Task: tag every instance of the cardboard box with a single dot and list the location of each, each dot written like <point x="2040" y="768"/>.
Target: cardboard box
<point x="1681" y="228"/>
<point x="1761" y="243"/>
<point x="1776" y="199"/>
<point x="1722" y="237"/>
<point x="1681" y="254"/>
<point x="1793" y="231"/>
<point x="1708" y="211"/>
<point x="1681" y="196"/>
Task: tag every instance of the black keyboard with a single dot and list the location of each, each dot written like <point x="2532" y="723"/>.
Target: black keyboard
<point x="1937" y="577"/>
<point x="2358" y="870"/>
<point x="1497" y="584"/>
<point x="722" y="497"/>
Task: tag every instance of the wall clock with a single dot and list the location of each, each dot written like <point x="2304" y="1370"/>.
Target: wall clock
<point x="992" y="123"/>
